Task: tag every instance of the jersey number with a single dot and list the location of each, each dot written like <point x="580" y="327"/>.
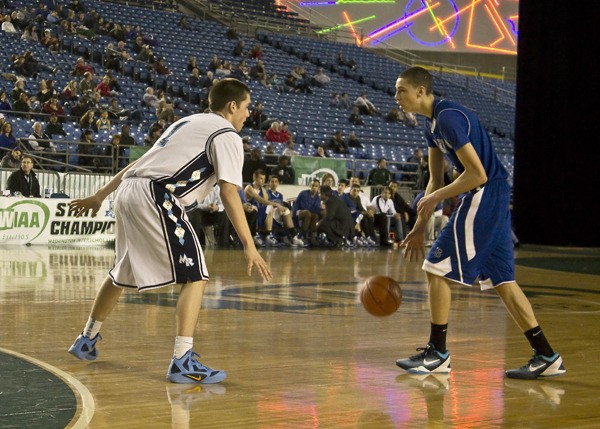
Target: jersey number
<point x="165" y="139"/>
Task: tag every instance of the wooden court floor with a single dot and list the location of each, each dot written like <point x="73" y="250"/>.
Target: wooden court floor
<point x="300" y="352"/>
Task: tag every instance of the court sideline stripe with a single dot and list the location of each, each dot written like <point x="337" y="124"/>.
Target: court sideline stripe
<point x="88" y="406"/>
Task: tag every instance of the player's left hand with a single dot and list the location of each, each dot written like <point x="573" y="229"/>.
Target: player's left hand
<point x="255" y="260"/>
<point x="426" y="206"/>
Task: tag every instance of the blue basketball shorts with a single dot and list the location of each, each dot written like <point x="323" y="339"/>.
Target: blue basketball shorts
<point x="477" y="240"/>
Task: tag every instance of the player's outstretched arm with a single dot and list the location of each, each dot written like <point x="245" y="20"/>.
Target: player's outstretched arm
<point x="95" y="201"/>
<point x="235" y="212"/>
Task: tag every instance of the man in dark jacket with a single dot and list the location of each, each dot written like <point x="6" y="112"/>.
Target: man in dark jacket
<point x="23" y="180"/>
<point x="337" y="223"/>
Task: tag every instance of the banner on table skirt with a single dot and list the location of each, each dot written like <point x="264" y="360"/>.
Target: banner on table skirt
<point x="51" y="221"/>
<point x="308" y="168"/>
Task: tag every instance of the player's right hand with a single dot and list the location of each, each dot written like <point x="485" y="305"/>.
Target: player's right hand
<point x="414" y="246"/>
<point x="81" y="206"/>
<point x="255" y="260"/>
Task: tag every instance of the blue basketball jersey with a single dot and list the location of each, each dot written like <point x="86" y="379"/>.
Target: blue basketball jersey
<point x="452" y="126"/>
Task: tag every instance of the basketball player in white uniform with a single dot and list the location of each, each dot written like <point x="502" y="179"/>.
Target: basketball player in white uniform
<point x="155" y="244"/>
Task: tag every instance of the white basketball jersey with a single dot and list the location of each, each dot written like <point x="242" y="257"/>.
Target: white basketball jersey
<point x="191" y="156"/>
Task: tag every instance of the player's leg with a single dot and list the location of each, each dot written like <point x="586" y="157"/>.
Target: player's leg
<point x="84" y="347"/>
<point x="434" y="357"/>
<point x="185" y="367"/>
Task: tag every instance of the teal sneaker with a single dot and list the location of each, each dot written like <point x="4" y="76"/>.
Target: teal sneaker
<point x="539" y="366"/>
<point x="428" y="361"/>
<point x="84" y="348"/>
<point x="188" y="370"/>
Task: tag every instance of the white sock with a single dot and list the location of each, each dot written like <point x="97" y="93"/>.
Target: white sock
<point x="92" y="327"/>
<point x="182" y="345"/>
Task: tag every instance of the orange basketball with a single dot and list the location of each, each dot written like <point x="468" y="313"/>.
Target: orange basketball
<point x="381" y="295"/>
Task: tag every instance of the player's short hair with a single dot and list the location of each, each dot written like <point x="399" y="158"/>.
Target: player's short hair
<point x="258" y="172"/>
<point x="326" y="190"/>
<point x="418" y="76"/>
<point x="225" y="91"/>
<point x="343" y="182"/>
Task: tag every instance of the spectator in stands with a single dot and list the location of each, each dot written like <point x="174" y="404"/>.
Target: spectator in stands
<point x="301" y="80"/>
<point x="79" y="109"/>
<point x="118" y="112"/>
<point x="238" y="49"/>
<point x="4" y="102"/>
<point x="275" y="134"/>
<point x="126" y="138"/>
<point x="54" y="128"/>
<point x="7" y="25"/>
<point x="232" y="33"/>
<point x="211" y="212"/>
<point x="380" y="175"/>
<point x="194" y="79"/>
<point x="408" y="216"/>
<point x="88" y="121"/>
<point x="320" y="79"/>
<point x="81" y="68"/>
<point x="259" y="72"/>
<point x="224" y="69"/>
<point x="103" y="123"/>
<point x="307" y="212"/>
<point x="344" y="62"/>
<point x="53" y="106"/>
<point x="53" y="17"/>
<point x="410" y="119"/>
<point x="18" y="89"/>
<point x="386" y="218"/>
<point x="118" y="33"/>
<point x="30" y="33"/>
<point x="183" y="23"/>
<point x="160" y="67"/>
<point x="270" y="150"/>
<point x="335" y="100"/>
<point x="153" y="136"/>
<point x="113" y="83"/>
<point x="24" y="181"/>
<point x="345" y="101"/>
<point x="258" y="118"/>
<point x="362" y="212"/>
<point x="192" y="64"/>
<point x="365" y="106"/>
<point x="23" y="104"/>
<point x="355" y="118"/>
<point x="393" y="116"/>
<point x="321" y="152"/>
<point x="337" y="144"/>
<point x="149" y="98"/>
<point x="240" y="72"/>
<point x="119" y="158"/>
<point x="7" y="140"/>
<point x="284" y="171"/>
<point x="69" y="92"/>
<point x="436" y="221"/>
<point x="146" y="55"/>
<point x="423" y="173"/>
<point x="12" y="159"/>
<point x="289" y="149"/>
<point x="43" y="94"/>
<point x="138" y="45"/>
<point x="86" y="85"/>
<point x="49" y="41"/>
<point x="252" y="163"/>
<point x="414" y="160"/>
<point x="337" y="224"/>
<point x="353" y="141"/>
<point x="166" y="111"/>
<point x="87" y="149"/>
<point x="256" y="53"/>
<point x="104" y="88"/>
<point x="38" y="140"/>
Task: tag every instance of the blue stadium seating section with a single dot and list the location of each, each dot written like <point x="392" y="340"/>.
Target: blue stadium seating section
<point x="311" y="118"/>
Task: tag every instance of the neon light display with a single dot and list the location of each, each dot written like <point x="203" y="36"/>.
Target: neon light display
<point x="453" y="25"/>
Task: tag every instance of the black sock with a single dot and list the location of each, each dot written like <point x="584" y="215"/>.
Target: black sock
<point x="538" y="341"/>
<point x="438" y="337"/>
<point x="292" y="231"/>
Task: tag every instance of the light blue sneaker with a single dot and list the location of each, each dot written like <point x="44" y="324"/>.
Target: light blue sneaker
<point x="188" y="370"/>
<point x="84" y="348"/>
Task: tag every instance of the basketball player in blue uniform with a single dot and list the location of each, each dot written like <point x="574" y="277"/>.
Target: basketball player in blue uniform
<point x="155" y="244"/>
<point x="477" y="240"/>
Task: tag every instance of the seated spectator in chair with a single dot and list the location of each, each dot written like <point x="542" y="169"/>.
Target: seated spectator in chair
<point x="256" y="52"/>
<point x="87" y="149"/>
<point x="345" y="101"/>
<point x="362" y="213"/>
<point x="24" y="181"/>
<point x="320" y="79"/>
<point x="126" y="138"/>
<point x="238" y="49"/>
<point x="86" y="85"/>
<point x="280" y="215"/>
<point x="38" y="140"/>
<point x="12" y="159"/>
<point x="307" y="212"/>
<point x="289" y="150"/>
<point x="69" y="92"/>
<point x="408" y="216"/>
<point x="252" y="163"/>
<point x="232" y="33"/>
<point x="149" y="98"/>
<point x="160" y="67"/>
<point x="256" y="194"/>
<point x="435" y="223"/>
<point x="353" y="141"/>
<point x="337" y="144"/>
<point x="49" y="41"/>
<point x="104" y="88"/>
<point x="380" y="175"/>
<point x="274" y="133"/>
<point x="211" y="213"/>
<point x="284" y="171"/>
<point x="194" y="78"/>
<point x="321" y="152"/>
<point x="393" y="116"/>
<point x="88" y="121"/>
<point x="365" y="106"/>
<point x="355" y="118"/>
<point x="387" y="219"/>
<point x="337" y="224"/>
<point x="23" y="104"/>
<point x="258" y="119"/>
<point x="7" y="140"/>
<point x="153" y="135"/>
